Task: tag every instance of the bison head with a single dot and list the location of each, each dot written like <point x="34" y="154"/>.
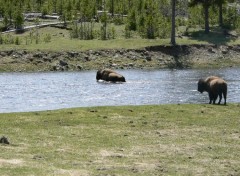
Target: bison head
<point x="122" y="79"/>
<point x="201" y="85"/>
<point x="99" y="75"/>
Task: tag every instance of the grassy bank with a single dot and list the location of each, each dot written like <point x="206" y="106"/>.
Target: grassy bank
<point x="60" y="40"/>
<point x="44" y="49"/>
<point x="132" y="140"/>
<point x="55" y="39"/>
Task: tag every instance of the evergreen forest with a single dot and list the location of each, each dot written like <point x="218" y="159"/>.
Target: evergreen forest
<point x="148" y="18"/>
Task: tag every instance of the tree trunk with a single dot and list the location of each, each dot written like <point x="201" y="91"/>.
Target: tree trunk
<point x="173" y="40"/>
<point x="220" y="15"/>
<point x="112" y="8"/>
<point x="206" y="13"/>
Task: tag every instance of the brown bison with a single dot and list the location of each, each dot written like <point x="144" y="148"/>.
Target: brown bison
<point x="215" y="87"/>
<point x="109" y="75"/>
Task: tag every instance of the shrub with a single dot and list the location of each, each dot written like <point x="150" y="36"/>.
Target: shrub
<point x="47" y="38"/>
<point x="17" y="41"/>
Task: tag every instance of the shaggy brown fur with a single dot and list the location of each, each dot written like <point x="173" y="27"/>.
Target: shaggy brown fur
<point x="215" y="87"/>
<point x="109" y="75"/>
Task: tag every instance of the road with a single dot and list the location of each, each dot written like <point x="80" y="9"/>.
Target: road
<point x="34" y="26"/>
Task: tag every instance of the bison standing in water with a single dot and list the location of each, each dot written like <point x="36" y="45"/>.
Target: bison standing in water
<point x="109" y="75"/>
<point x="215" y="87"/>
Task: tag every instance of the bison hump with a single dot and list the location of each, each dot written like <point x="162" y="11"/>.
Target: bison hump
<point x="217" y="82"/>
<point x="211" y="78"/>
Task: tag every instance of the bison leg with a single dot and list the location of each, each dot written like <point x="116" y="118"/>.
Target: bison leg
<point x="225" y="97"/>
<point x="111" y="79"/>
<point x="220" y="98"/>
<point x="225" y="102"/>
<point x="214" y="101"/>
<point x="210" y="101"/>
<point x="215" y="98"/>
<point x="210" y="97"/>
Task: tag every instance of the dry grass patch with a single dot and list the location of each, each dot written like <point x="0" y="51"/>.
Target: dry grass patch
<point x="17" y="162"/>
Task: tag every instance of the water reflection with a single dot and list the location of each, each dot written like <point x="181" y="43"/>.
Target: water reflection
<point x="46" y="91"/>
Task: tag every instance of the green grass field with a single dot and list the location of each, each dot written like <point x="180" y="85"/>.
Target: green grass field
<point x="60" y="40"/>
<point x="129" y="140"/>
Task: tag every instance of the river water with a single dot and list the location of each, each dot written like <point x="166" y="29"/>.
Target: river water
<point x="20" y="92"/>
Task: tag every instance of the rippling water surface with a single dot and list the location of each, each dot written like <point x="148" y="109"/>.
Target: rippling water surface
<point x="46" y="91"/>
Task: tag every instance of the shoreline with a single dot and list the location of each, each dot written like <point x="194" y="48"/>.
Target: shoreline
<point x="152" y="57"/>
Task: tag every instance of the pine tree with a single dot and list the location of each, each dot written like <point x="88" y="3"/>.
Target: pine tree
<point x="206" y="4"/>
<point x="220" y="3"/>
<point x="131" y="20"/>
<point x="18" y="19"/>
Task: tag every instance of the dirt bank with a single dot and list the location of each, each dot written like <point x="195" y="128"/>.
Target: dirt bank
<point x="154" y="57"/>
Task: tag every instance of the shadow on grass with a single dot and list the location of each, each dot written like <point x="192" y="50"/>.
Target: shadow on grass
<point x="216" y="36"/>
